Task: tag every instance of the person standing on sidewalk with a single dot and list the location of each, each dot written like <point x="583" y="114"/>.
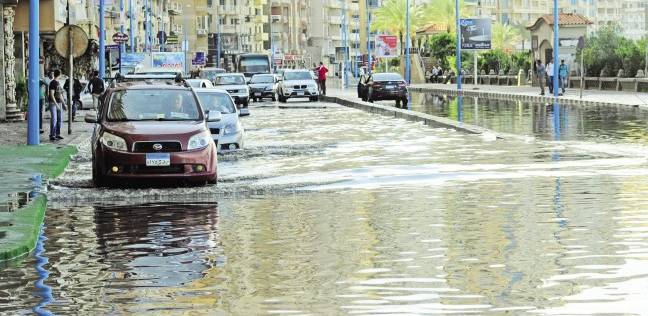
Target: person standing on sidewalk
<point x="76" y="94"/>
<point x="541" y="73"/>
<point x="96" y="87"/>
<point x="321" y="77"/>
<point x="550" y="74"/>
<point x="563" y="73"/>
<point x="55" y="94"/>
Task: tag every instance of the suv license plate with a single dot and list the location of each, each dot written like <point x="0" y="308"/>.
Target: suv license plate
<point x="158" y="160"/>
<point x="300" y="92"/>
<point x="257" y="94"/>
<point x="390" y="87"/>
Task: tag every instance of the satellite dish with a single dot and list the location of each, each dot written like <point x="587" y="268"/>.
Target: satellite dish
<point x="79" y="41"/>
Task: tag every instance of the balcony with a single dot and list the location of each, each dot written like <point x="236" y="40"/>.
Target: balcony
<point x="261" y="37"/>
<point x="201" y="32"/>
<point x="175" y="8"/>
<point x="261" y="19"/>
<point x="227" y="9"/>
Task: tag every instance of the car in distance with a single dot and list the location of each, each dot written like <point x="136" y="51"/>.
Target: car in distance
<point x="235" y="85"/>
<point x="210" y="73"/>
<point x="227" y="133"/>
<point x="152" y="131"/>
<point x="199" y="83"/>
<point x="263" y="86"/>
<point x="297" y="84"/>
<point x="383" y="86"/>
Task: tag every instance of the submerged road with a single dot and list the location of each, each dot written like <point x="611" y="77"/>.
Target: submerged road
<point x="330" y="210"/>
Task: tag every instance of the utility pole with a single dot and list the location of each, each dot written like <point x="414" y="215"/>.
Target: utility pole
<point x="556" y="48"/>
<point x="408" y="70"/>
<point x="369" y="59"/>
<point x="130" y="31"/>
<point x="70" y="79"/>
<point x="345" y="45"/>
<point x="355" y="62"/>
<point x="102" y="39"/>
<point x="33" y="136"/>
<point x="458" y="31"/>
<point x="272" y="48"/>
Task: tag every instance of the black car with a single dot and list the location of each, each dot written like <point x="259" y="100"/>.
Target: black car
<point x="383" y="86"/>
<point x="263" y="86"/>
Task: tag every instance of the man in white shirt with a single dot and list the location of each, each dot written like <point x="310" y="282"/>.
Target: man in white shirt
<point x="550" y="74"/>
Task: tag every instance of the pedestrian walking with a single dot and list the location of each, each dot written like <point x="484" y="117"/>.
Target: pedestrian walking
<point x="42" y="100"/>
<point x="541" y="73"/>
<point x="55" y="94"/>
<point x="96" y="87"/>
<point x="321" y="77"/>
<point x="563" y="73"/>
<point x="550" y="75"/>
<point x="77" y="88"/>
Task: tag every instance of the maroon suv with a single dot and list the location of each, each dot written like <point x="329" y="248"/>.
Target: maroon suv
<point x="152" y="131"/>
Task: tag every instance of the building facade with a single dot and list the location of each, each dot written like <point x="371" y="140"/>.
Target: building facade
<point x="335" y="31"/>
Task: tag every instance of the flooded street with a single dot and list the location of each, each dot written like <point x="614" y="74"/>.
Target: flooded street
<point x="334" y="211"/>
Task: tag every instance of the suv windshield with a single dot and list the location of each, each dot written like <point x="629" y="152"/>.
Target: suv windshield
<point x="153" y="105"/>
<point x="262" y="79"/>
<point x="387" y="77"/>
<point x="229" y="80"/>
<point x="216" y="101"/>
<point x="294" y="75"/>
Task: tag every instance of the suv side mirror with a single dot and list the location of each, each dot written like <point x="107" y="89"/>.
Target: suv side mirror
<point x="214" y="116"/>
<point x="91" y="117"/>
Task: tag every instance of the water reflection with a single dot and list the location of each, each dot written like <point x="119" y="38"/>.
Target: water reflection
<point x="597" y="123"/>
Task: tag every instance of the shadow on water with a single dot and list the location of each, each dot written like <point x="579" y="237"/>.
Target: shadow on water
<point x="596" y="123"/>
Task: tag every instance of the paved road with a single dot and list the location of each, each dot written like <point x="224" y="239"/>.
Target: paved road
<point x="330" y="210"/>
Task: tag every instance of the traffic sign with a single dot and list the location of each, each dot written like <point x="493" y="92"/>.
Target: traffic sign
<point x="172" y="39"/>
<point x="120" y="38"/>
<point x="79" y="41"/>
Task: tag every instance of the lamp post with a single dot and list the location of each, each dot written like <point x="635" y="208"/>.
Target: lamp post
<point x="33" y="137"/>
<point x="408" y="77"/>
<point x="458" y="31"/>
<point x="555" y="49"/>
<point x="369" y="61"/>
<point x="130" y="31"/>
<point x="102" y="39"/>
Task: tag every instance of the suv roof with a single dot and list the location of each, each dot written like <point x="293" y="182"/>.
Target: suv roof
<point x="149" y="85"/>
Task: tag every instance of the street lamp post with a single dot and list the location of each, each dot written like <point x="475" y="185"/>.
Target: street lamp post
<point x="555" y="49"/>
<point x="130" y="31"/>
<point x="458" y="31"/>
<point x="369" y="61"/>
<point x="408" y="70"/>
<point x="33" y="137"/>
<point x="102" y="39"/>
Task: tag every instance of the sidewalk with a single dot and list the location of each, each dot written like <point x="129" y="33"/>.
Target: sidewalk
<point x="24" y="170"/>
<point x="590" y="97"/>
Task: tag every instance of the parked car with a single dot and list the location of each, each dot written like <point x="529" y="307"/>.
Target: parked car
<point x="153" y="132"/>
<point x="199" y="83"/>
<point x="235" y="85"/>
<point x="297" y="84"/>
<point x="263" y="86"/>
<point x="227" y="133"/>
<point x="383" y="86"/>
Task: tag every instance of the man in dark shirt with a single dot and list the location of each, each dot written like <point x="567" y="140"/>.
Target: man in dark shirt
<point x="76" y="94"/>
<point x="54" y="93"/>
<point x="96" y="87"/>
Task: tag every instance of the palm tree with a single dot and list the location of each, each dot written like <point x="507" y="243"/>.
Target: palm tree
<point x="442" y="12"/>
<point x="504" y="37"/>
<point x="390" y="18"/>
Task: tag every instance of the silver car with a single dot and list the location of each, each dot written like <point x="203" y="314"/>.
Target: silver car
<point x="297" y="84"/>
<point x="227" y="133"/>
<point x="235" y="85"/>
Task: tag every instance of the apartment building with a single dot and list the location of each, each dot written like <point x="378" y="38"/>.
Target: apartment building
<point x="290" y="26"/>
<point x="335" y="25"/>
<point x="634" y="19"/>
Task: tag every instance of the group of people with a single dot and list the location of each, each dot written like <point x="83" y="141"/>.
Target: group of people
<point x="52" y="98"/>
<point x="546" y="74"/>
<point x="433" y="74"/>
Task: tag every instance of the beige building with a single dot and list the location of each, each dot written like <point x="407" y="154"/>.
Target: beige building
<point x="328" y="20"/>
<point x="290" y="26"/>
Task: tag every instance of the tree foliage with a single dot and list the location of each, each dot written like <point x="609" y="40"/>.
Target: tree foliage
<point x="442" y="12"/>
<point x="391" y="16"/>
<point x="505" y="37"/>
<point x="606" y="52"/>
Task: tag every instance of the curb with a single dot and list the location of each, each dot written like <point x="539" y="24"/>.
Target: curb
<point x="23" y="226"/>
<point x="515" y="96"/>
<point x="427" y="119"/>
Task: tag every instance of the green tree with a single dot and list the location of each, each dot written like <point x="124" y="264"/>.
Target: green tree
<point x="600" y="53"/>
<point x="495" y="60"/>
<point x="391" y="16"/>
<point x="441" y="46"/>
<point x="505" y="37"/>
<point x="442" y="12"/>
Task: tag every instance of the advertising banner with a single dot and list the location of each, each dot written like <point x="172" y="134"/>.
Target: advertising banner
<point x="132" y="59"/>
<point x="475" y="34"/>
<point x="175" y="60"/>
<point x="199" y="60"/>
<point x="386" y="46"/>
<point x="229" y="42"/>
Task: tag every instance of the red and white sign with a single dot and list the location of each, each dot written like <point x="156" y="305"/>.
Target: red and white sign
<point x="386" y="46"/>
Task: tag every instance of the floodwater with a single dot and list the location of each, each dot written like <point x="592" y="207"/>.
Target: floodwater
<point x="609" y="124"/>
<point x="333" y="211"/>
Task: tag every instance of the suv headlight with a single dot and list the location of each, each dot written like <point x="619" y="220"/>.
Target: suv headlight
<point x="199" y="141"/>
<point x="312" y="86"/>
<point x="113" y="142"/>
<point x="232" y="129"/>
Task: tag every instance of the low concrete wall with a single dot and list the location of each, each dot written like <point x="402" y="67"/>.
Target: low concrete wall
<point x="427" y="119"/>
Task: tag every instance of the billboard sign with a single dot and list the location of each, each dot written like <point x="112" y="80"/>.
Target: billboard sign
<point x="132" y="59"/>
<point x="386" y="46"/>
<point x="475" y="34"/>
<point x="175" y="60"/>
<point x="199" y="60"/>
